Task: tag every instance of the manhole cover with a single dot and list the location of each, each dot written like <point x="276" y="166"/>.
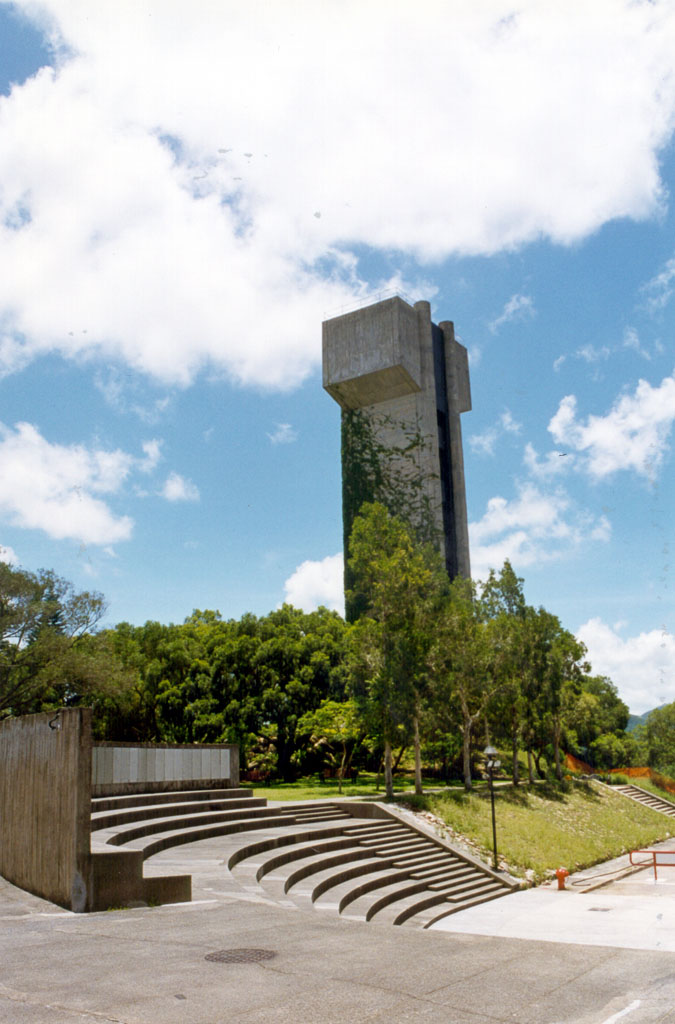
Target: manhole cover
<point x="240" y="956"/>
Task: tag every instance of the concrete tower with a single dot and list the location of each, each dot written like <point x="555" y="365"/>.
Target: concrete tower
<point x="402" y="382"/>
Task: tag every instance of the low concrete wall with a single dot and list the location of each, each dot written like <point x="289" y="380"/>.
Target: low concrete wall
<point x="45" y="801"/>
<point x="119" y="768"/>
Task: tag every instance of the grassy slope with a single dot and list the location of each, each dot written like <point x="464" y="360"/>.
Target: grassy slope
<point x="542" y="828"/>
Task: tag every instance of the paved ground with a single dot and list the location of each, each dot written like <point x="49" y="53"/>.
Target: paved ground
<point x="148" y="965"/>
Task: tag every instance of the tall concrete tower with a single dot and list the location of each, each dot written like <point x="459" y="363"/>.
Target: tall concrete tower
<point x="402" y="383"/>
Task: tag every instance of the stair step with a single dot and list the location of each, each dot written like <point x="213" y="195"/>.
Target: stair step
<point x="110" y="803"/>
<point x="298" y="851"/>
<point x="110" y="819"/>
<point x="122" y="835"/>
<point x="448" y="910"/>
<point x="177" y="837"/>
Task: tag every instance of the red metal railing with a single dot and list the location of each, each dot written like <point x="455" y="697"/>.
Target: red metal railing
<point x="657" y="858"/>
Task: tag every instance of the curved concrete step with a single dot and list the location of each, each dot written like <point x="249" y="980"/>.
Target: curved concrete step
<point x="149" y="845"/>
<point x="146" y="812"/>
<point x="111" y="803"/>
<point x="123" y="835"/>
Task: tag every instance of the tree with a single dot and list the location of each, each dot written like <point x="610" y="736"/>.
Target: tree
<point x="660" y="729"/>
<point x="337" y="727"/>
<point x="396" y="582"/>
<point x="502" y="604"/>
<point x="46" y="644"/>
<point x="465" y="666"/>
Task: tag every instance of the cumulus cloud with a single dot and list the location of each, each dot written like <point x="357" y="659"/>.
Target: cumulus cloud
<point x="317" y="583"/>
<point x="160" y="187"/>
<point x="633" y="435"/>
<point x="57" y="488"/>
<point x="283" y="434"/>
<point x="642" y="667"/>
<point x="178" y="488"/>
<point x="534" y="527"/>
<point x="518" y="307"/>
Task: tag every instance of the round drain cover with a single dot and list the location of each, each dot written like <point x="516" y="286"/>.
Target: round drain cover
<point x="240" y="956"/>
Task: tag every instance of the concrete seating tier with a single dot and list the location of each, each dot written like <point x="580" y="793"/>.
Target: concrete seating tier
<point x="381" y="870"/>
<point x="657" y="803"/>
<point x="355" y="859"/>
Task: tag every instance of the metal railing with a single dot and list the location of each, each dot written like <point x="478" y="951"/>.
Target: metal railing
<point x="655" y="858"/>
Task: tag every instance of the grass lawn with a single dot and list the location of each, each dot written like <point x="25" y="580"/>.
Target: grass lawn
<point x="311" y="789"/>
<point x="544" y="827"/>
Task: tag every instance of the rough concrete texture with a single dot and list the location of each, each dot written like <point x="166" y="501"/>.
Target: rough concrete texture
<point x="148" y="965"/>
<point x="45" y="794"/>
<point x="382" y="361"/>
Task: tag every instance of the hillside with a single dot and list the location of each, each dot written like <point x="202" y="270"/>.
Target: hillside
<point x="543" y="827"/>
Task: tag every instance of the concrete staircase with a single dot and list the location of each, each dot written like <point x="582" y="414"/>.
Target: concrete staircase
<point x="358" y="860"/>
<point x="380" y="869"/>
<point x="657" y="803"/>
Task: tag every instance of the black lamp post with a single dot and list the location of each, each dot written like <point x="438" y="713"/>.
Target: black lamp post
<point x="492" y="763"/>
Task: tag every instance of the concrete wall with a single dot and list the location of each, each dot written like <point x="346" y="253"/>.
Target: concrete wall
<point x="119" y="768"/>
<point x="45" y="798"/>
<point x="389" y="363"/>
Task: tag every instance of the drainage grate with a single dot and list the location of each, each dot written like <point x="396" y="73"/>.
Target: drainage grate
<point x="240" y="956"/>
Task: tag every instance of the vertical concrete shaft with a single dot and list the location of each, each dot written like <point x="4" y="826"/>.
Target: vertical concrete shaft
<point x="402" y="383"/>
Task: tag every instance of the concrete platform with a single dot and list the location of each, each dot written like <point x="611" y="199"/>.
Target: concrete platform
<point x="148" y="966"/>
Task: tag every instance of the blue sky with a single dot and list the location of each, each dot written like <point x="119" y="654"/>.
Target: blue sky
<point x="187" y="191"/>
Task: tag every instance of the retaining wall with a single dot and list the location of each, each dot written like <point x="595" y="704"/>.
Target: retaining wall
<point x="45" y="805"/>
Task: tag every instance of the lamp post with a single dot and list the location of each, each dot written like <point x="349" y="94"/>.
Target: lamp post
<point x="492" y="763"/>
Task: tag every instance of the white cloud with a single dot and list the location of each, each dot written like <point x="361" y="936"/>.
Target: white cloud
<point x="153" y="454"/>
<point x="633" y="435"/>
<point x="159" y="189"/>
<point x="553" y="463"/>
<point x="317" y="583"/>
<point x="484" y="444"/>
<point x="590" y="354"/>
<point x="659" y="290"/>
<point x="8" y="555"/>
<point x="557" y="364"/>
<point x="57" y="488"/>
<point x="533" y="528"/>
<point x="178" y="488"/>
<point x="283" y="434"/>
<point x="642" y="667"/>
<point x="518" y="307"/>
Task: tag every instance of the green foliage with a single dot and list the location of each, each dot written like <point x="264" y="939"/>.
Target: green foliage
<point x="49" y="654"/>
<point x="375" y="472"/>
<point x="397" y="583"/>
<point x="337" y="727"/>
<point x="660" y="737"/>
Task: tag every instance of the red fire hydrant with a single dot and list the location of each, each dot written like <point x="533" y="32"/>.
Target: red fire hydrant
<point x="561" y="874"/>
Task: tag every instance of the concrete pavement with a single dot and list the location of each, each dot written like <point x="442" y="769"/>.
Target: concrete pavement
<point x="149" y="964"/>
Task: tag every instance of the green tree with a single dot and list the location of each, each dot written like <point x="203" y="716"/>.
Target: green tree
<point x="337" y="727"/>
<point x="46" y="648"/>
<point x="660" y="729"/>
<point x="397" y="582"/>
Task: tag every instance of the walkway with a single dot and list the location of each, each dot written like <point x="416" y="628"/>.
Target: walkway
<point x="149" y="966"/>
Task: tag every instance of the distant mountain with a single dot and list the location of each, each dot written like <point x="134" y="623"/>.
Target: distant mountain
<point x="635" y="720"/>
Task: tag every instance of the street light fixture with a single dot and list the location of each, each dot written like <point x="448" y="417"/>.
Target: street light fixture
<point x="491" y="764"/>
